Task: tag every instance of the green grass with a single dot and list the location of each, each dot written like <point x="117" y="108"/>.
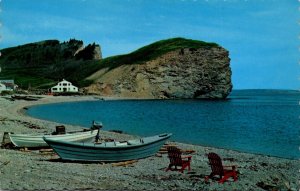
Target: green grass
<point x="153" y="51"/>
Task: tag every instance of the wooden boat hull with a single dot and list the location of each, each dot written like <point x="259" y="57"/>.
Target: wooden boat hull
<point x="34" y="140"/>
<point x="109" y="151"/>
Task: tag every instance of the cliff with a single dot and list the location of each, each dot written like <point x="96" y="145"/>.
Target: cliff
<point x="173" y="68"/>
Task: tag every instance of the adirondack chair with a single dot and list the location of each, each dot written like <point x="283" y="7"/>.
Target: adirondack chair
<point x="176" y="159"/>
<point x="218" y="169"/>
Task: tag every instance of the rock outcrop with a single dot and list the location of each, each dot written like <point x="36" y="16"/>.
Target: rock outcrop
<point x="183" y="73"/>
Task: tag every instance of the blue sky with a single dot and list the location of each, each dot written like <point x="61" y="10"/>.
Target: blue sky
<point x="262" y="36"/>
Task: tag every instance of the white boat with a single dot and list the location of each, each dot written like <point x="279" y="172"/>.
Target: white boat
<point x="36" y="140"/>
<point x="108" y="151"/>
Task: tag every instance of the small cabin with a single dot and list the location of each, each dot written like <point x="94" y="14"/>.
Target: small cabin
<point x="64" y="86"/>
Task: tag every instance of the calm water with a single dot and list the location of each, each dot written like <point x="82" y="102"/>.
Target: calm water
<point x="256" y="121"/>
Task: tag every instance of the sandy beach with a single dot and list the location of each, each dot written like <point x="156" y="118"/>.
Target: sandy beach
<point x="33" y="170"/>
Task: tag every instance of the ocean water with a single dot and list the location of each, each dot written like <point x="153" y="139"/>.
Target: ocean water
<point x="255" y="121"/>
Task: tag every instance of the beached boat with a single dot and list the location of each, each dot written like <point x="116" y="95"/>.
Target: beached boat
<point x="25" y="97"/>
<point x="108" y="151"/>
<point x="36" y="140"/>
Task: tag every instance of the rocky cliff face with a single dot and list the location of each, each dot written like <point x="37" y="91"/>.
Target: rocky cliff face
<point x="97" y="54"/>
<point x="183" y="73"/>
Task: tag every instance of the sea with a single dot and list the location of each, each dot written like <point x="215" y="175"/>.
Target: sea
<point x="255" y="121"/>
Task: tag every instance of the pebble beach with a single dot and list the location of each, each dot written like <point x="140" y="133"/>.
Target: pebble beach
<point x="25" y="169"/>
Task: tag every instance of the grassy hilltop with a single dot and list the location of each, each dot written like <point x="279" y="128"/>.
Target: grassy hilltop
<point x="153" y="51"/>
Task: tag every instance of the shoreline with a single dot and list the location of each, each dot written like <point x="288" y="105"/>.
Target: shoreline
<point x="61" y="99"/>
<point x="256" y="171"/>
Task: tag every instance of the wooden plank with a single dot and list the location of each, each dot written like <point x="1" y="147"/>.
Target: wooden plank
<point x="25" y="149"/>
<point x="125" y="163"/>
<point x="45" y="150"/>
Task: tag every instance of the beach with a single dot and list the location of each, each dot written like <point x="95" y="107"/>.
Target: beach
<point x="35" y="170"/>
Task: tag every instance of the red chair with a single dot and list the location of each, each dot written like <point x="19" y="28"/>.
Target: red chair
<point x="176" y="159"/>
<point x="218" y="169"/>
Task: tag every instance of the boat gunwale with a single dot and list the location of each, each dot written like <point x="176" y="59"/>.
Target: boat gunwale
<point x="38" y="141"/>
<point x="91" y="146"/>
<point x="67" y="134"/>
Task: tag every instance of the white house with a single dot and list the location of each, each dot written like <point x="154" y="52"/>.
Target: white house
<point x="7" y="85"/>
<point x="64" y="86"/>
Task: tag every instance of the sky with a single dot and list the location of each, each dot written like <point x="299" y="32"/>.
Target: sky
<point x="262" y="36"/>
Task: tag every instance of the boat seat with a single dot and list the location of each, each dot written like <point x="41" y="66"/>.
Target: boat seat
<point x="133" y="142"/>
<point x="120" y="144"/>
<point x="109" y="144"/>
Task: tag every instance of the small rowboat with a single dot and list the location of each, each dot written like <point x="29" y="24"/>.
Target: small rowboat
<point x="108" y="151"/>
<point x="36" y="140"/>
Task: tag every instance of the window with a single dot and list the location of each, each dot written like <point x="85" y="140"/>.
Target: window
<point x="54" y="88"/>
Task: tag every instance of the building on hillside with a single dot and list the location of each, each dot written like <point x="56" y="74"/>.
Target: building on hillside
<point x="64" y="86"/>
<point x="7" y="85"/>
<point x="2" y="87"/>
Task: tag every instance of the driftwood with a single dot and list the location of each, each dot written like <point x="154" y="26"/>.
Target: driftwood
<point x="45" y="150"/>
<point x="4" y="163"/>
<point x="25" y="149"/>
<point x="125" y="163"/>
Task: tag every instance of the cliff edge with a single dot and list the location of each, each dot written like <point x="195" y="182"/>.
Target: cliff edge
<point x="173" y="68"/>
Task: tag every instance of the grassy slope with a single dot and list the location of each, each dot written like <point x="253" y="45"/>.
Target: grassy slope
<point x="153" y="51"/>
<point x="42" y="64"/>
